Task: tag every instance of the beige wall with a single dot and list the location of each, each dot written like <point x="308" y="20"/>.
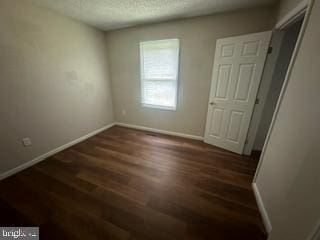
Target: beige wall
<point x="197" y="38"/>
<point x="54" y="84"/>
<point x="289" y="177"/>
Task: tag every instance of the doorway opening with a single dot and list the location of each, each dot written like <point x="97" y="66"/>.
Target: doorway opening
<point x="248" y="79"/>
<point x="283" y="44"/>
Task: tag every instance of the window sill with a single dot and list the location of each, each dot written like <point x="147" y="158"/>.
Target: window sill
<point x="159" y="107"/>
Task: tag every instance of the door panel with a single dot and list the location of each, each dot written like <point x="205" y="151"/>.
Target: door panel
<point x="236" y="75"/>
<point x="227" y="50"/>
<point x="217" y="117"/>
<point x="251" y="48"/>
<point x="224" y="75"/>
<point x="236" y="119"/>
<point x="244" y="81"/>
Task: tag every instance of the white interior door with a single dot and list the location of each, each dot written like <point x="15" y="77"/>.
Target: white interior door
<point x="237" y="71"/>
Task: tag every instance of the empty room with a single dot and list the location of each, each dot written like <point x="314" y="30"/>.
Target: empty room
<point x="179" y="119"/>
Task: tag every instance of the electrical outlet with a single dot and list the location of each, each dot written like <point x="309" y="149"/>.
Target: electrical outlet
<point x="124" y="112"/>
<point x="26" y="142"/>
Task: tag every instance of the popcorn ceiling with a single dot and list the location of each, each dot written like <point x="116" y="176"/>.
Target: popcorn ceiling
<point x="113" y="14"/>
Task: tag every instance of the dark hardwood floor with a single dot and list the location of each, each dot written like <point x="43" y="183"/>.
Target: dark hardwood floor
<point x="130" y="184"/>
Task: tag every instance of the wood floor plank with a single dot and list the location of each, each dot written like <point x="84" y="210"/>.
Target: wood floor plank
<point x="131" y="184"/>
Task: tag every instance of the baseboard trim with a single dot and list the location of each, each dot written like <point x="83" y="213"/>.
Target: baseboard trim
<point x="155" y="130"/>
<point x="52" y="152"/>
<point x="262" y="209"/>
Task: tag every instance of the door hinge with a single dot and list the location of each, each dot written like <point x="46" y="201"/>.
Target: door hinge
<point x="257" y="101"/>
<point x="270" y="50"/>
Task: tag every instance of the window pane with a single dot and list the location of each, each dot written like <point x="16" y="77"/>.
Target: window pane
<point x="160" y="93"/>
<point x="159" y="72"/>
<point x="159" y="64"/>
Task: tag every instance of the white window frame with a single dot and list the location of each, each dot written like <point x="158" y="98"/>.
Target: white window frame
<point x="142" y="79"/>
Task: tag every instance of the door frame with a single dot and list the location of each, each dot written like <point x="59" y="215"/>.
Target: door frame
<point x="275" y="43"/>
<point x="303" y="8"/>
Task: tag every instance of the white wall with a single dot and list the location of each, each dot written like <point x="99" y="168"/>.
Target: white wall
<point x="54" y="83"/>
<point x="288" y="179"/>
<point x="197" y="38"/>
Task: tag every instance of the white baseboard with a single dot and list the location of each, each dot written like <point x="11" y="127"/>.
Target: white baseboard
<point x="262" y="209"/>
<point x="52" y="152"/>
<point x="155" y="130"/>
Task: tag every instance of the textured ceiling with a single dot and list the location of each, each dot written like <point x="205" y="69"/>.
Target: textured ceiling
<point x="113" y="14"/>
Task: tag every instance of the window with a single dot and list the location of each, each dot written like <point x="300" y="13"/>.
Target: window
<point x="159" y="73"/>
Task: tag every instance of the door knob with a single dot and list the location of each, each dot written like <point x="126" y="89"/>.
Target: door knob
<point x="212" y="103"/>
